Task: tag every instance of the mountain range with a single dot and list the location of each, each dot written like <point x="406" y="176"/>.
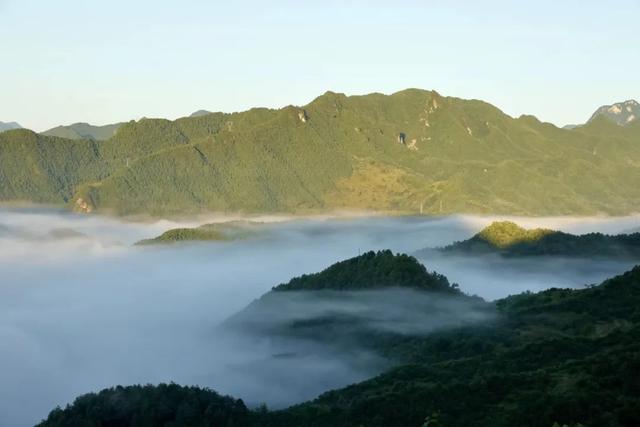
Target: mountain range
<point x="414" y="151"/>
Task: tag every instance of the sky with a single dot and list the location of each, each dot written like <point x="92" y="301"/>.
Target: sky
<point x="69" y="61"/>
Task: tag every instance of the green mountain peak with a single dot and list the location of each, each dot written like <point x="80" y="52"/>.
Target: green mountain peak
<point x="371" y="270"/>
<point x="506" y="233"/>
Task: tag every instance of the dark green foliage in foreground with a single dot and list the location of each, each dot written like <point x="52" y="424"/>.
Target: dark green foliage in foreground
<point x="508" y="239"/>
<point x="142" y="406"/>
<point x="558" y="356"/>
<point x="372" y="270"/>
<point x="457" y="156"/>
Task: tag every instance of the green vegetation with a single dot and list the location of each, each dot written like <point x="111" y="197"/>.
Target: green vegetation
<point x="508" y="239"/>
<point x="505" y="234"/>
<point x="225" y="231"/>
<point x="372" y="270"/>
<point x="163" y="405"/>
<point x="46" y="170"/>
<point x="320" y="307"/>
<point x="186" y="234"/>
<point x="562" y="356"/>
<point x="83" y="131"/>
<point x="337" y="152"/>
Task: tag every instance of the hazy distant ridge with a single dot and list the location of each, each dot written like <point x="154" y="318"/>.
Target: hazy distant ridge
<point x="83" y="131"/>
<point x="9" y="126"/>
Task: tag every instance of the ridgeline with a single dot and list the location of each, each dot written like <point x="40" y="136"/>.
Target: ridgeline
<point x="410" y="152"/>
<point x="508" y="239"/>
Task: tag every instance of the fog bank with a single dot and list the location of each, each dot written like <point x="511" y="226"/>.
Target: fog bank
<point x="82" y="309"/>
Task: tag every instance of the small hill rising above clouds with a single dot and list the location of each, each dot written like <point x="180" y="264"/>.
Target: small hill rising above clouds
<point x="372" y="270"/>
<point x="214" y="232"/>
<point x="508" y="239"/>
<point x="9" y="126"/>
<point x="361" y="302"/>
<point x="622" y="113"/>
<point x="84" y="131"/>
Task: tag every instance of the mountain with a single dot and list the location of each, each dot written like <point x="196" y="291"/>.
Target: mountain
<point x="372" y="270"/>
<point x="225" y="231"/>
<point x="410" y="152"/>
<point x="9" y="126"/>
<point x="557" y="357"/>
<point x="200" y="113"/>
<point x="166" y="404"/>
<point x="365" y="302"/>
<point x="83" y="131"/>
<point x="622" y="113"/>
<point x="508" y="239"/>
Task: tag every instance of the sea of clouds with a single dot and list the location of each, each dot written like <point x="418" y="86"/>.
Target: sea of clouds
<point x="82" y="308"/>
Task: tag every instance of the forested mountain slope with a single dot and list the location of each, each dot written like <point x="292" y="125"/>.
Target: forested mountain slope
<point x="411" y="151"/>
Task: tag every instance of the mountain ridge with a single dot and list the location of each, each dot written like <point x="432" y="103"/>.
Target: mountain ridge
<point x="507" y="239"/>
<point x="5" y="126"/>
<point x="82" y="130"/>
<point x="622" y="113"/>
<point x="409" y="152"/>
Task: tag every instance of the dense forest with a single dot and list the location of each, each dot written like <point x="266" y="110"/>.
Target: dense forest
<point x="508" y="239"/>
<point x="412" y="151"/>
<point x="562" y="356"/>
<point x="372" y="270"/>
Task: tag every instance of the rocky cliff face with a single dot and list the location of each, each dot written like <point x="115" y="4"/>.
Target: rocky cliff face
<point x="623" y="113"/>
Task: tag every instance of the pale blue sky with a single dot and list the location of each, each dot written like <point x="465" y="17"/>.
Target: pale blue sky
<point x="65" y="61"/>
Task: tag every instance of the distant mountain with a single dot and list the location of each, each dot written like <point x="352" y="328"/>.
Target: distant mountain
<point x="360" y="302"/>
<point x="9" y="126"/>
<point x="200" y="113"/>
<point x="622" y="113"/>
<point x="83" y="131"/>
<point x="508" y="239"/>
<point x="414" y="151"/>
